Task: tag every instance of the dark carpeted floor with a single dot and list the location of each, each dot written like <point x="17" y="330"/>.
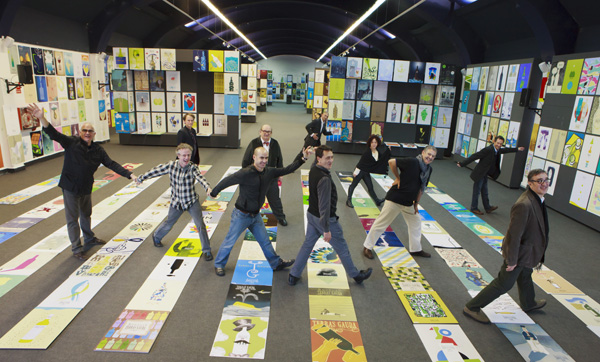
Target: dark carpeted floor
<point x="188" y="334"/>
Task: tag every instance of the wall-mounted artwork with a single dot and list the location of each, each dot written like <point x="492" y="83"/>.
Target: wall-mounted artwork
<point x="572" y="150"/>
<point x="386" y="70"/>
<point x="555" y="78"/>
<point x="157" y="102"/>
<point x="370" y="68"/>
<point x="24" y="55"/>
<point x="423" y="134"/>
<point x="167" y="59"/>
<point x="432" y="73"/>
<point x="173" y="122"/>
<point x="87" y="88"/>
<point x="231" y="83"/>
<point x="120" y="58"/>
<point x="144" y="122"/>
<point x="189" y="102"/>
<point x="380" y="90"/>
<point x="38" y="61"/>
<point x="232" y="104"/>
<point x="136" y="58"/>
<point x="401" y="68"/>
<point x="152" y="58"/>
<point x="336" y="88"/>
<point x="444" y="117"/>
<point x="37" y="146"/>
<point x="232" y="61"/>
<point x="142" y="101"/>
<point x="51" y="89"/>
<point x="346" y="131"/>
<point x="350" y="89"/>
<point x="173" y="102"/>
<point x="416" y="72"/>
<point x="85" y="65"/>
<point x="335" y="109"/>
<point x="219" y="103"/>
<point x="523" y="78"/>
<point x="424" y="114"/>
<point x="497" y="104"/>
<point x="205" y="124"/>
<point x="252" y="83"/>
<point x="447" y="95"/>
<point x="590" y="151"/>
<point x="121" y="102"/>
<point x="364" y="90"/>
<point x="354" y="68"/>
<point x="594" y="120"/>
<point x="348" y="110"/>
<point x="338" y="67"/>
<point x="252" y="70"/>
<point x="378" y="111"/>
<point x="49" y="65"/>
<point x="483" y="78"/>
<point x="572" y="76"/>
<point x="157" y="80"/>
<point x="141" y="81"/>
<point x="200" y="61"/>
<point x="26" y="119"/>
<point x="159" y="125"/>
<point x="409" y="113"/>
<point x="580" y="114"/>
<point x="492" y="75"/>
<point x="475" y="79"/>
<point x="511" y="77"/>
<point x="363" y="110"/>
<point x="501" y="78"/>
<point x="220" y="124"/>
<point x="394" y="112"/>
<point x="427" y="94"/>
<point x="42" y="89"/>
<point x="173" y="81"/>
<point x="215" y="61"/>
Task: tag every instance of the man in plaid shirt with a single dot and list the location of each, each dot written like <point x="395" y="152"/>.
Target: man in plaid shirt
<point x="183" y="175"/>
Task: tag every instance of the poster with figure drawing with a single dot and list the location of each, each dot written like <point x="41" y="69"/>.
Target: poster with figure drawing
<point x="533" y="343"/>
<point x="401" y="70"/>
<point x="581" y="113"/>
<point x="324" y="345"/>
<point x="588" y="82"/>
<point x="507" y="105"/>
<point x="552" y="171"/>
<point x="432" y="73"/>
<point x="354" y="68"/>
<point x="594" y="202"/>
<point x="582" y="186"/>
<point x="445" y="342"/>
<point x="590" y="151"/>
<point x="513" y="134"/>
<point x="543" y="142"/>
<point x="584" y="307"/>
<point x="555" y="78"/>
<point x="370" y="68"/>
<point x="572" y="149"/>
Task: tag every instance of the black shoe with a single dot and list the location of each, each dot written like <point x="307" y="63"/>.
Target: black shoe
<point x="284" y="264"/>
<point x="421" y="253"/>
<point x="363" y="275"/>
<point x="349" y="204"/>
<point x="283" y="222"/>
<point x="292" y="280"/>
<point x="379" y="202"/>
<point x="220" y="272"/>
<point x="80" y="256"/>
<point x="208" y="256"/>
<point x="538" y="305"/>
<point x="93" y="243"/>
<point x="158" y="244"/>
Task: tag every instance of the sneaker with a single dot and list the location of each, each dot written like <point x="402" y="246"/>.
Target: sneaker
<point x="284" y="264"/>
<point x="363" y="275"/>
<point x="478" y="316"/>
<point x="539" y="304"/>
<point x="421" y="253"/>
<point x="349" y="204"/>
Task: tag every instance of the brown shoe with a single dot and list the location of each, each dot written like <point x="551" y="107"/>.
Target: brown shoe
<point x="478" y="316"/>
<point x="491" y="209"/>
<point x="80" y="256"/>
<point x="538" y="305"/>
<point x="368" y="253"/>
<point x="477" y="212"/>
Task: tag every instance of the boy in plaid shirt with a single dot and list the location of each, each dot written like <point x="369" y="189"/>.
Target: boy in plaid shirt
<point x="183" y="175"/>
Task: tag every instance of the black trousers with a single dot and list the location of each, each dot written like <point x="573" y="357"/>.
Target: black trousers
<point x="502" y="284"/>
<point x="275" y="200"/>
<point x="366" y="177"/>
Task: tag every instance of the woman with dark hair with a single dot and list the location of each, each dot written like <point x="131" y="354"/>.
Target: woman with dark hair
<point x="374" y="160"/>
<point x="187" y="134"/>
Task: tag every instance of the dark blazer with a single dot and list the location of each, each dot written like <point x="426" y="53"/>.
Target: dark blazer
<point x="525" y="241"/>
<point x="315" y="127"/>
<point x="486" y="158"/>
<point x="368" y="164"/>
<point x="189" y="136"/>
<point x="275" y="156"/>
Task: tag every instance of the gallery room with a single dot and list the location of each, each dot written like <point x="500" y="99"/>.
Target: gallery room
<point x="477" y="120"/>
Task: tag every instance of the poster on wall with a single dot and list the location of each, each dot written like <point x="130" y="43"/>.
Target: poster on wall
<point x="136" y="58"/>
<point x="432" y="73"/>
<point x="386" y="70"/>
<point x="200" y="61"/>
<point x="152" y="58"/>
<point x="416" y="72"/>
<point x="338" y="67"/>
<point x="189" y="102"/>
<point x="580" y="114"/>
<point x="232" y="61"/>
<point x="370" y="68"/>
<point x="167" y="59"/>
<point x="572" y="76"/>
<point x="354" y="68"/>
<point x="401" y="70"/>
<point x="215" y="60"/>
<point x="120" y="58"/>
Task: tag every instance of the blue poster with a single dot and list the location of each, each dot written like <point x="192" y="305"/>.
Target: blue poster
<point x="42" y="90"/>
<point x="200" y="61"/>
<point x="253" y="272"/>
<point x="122" y="122"/>
<point x="338" y="67"/>
<point x="232" y="104"/>
<point x="523" y="79"/>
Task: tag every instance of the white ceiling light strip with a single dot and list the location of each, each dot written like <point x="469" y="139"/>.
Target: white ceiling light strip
<point x="230" y="24"/>
<point x="377" y="4"/>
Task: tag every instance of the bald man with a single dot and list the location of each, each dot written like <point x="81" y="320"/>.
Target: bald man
<point x="82" y="159"/>
<point x="275" y="160"/>
<point x="254" y="182"/>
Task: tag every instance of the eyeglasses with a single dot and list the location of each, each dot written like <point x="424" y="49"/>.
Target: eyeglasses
<point x="88" y="131"/>
<point x="262" y="130"/>
<point x="542" y="181"/>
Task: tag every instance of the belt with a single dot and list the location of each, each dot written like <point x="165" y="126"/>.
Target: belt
<point x="247" y="213"/>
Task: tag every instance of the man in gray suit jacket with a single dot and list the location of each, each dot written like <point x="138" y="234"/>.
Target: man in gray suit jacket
<point x="489" y="165"/>
<point x="523" y="249"/>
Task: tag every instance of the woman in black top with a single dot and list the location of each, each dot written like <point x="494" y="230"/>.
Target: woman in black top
<point x="187" y="134"/>
<point x="374" y="160"/>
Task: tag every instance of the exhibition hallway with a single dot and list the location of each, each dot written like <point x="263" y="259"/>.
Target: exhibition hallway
<point x="188" y="334"/>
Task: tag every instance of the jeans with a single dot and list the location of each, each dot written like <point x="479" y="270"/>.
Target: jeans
<point x="366" y="177"/>
<point x="240" y="222"/>
<point x="389" y="212"/>
<point x="338" y="243"/>
<point x="480" y="186"/>
<point x="78" y="212"/>
<point x="502" y="284"/>
<point x="196" y="211"/>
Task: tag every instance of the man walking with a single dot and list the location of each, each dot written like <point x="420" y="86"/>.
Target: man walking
<point x="322" y="219"/>
<point x="489" y="165"/>
<point x="82" y="159"/>
<point x="254" y="181"/>
<point x="403" y="197"/>
<point x="275" y="160"/>
<point x="183" y="174"/>
<point x="523" y="248"/>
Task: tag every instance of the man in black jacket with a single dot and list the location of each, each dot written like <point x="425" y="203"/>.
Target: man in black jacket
<point x="187" y="134"/>
<point x="275" y="160"/>
<point x="315" y="129"/>
<point x="254" y="181"/>
<point x="489" y="165"/>
<point x="82" y="159"/>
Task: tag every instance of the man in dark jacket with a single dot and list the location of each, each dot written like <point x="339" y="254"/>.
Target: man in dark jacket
<point x="82" y="159"/>
<point x="275" y="160"/>
<point x="254" y="182"/>
<point x="315" y="129"/>
<point x="187" y="134"/>
<point x="322" y="219"/>
<point x="523" y="248"/>
<point x="489" y="165"/>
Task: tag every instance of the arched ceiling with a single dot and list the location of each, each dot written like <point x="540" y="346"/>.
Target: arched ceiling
<point x="452" y="31"/>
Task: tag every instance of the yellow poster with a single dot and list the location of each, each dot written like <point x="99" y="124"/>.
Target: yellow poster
<point x="215" y="60"/>
<point x="136" y="58"/>
<point x="38" y="329"/>
<point x="336" y="88"/>
<point x="425" y="307"/>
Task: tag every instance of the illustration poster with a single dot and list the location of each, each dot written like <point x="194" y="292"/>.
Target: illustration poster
<point x="426" y="307"/>
<point x="401" y="70"/>
<point x="432" y="73"/>
<point x="523" y="78"/>
<point x="533" y="343"/>
<point x="409" y="113"/>
<point x="232" y="61"/>
<point x="447" y="343"/>
<point x="580" y="114"/>
<point x="136" y="58"/>
<point x="349" y="348"/>
<point x="370" y="68"/>
<point x="354" y="68"/>
<point x="594" y="203"/>
<point x="363" y="110"/>
<point x="594" y="120"/>
<point x="386" y="70"/>
<point x="241" y="337"/>
<point x="152" y="58"/>
<point x="572" y="149"/>
<point x="133" y="331"/>
<point x="572" y="76"/>
<point x="424" y="114"/>
<point x="338" y="67"/>
<point x="555" y="78"/>
<point x="588" y="83"/>
<point x="582" y="186"/>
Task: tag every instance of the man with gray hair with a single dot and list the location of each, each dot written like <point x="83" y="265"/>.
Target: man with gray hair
<point x="82" y="159"/>
<point x="403" y="197"/>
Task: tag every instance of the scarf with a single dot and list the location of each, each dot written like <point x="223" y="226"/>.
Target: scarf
<point x="425" y="171"/>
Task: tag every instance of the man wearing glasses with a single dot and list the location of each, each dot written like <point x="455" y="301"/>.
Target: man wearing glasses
<point x="82" y="159"/>
<point x="275" y="160"/>
<point x="523" y="249"/>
